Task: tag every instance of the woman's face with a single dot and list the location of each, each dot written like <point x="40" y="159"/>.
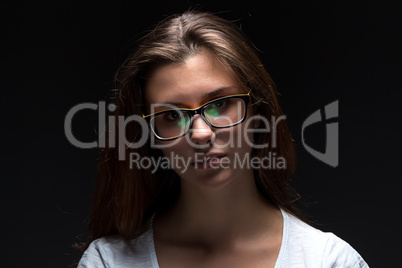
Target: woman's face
<point x="205" y="156"/>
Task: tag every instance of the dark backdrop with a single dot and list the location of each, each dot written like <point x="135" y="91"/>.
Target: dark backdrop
<point x="57" y="54"/>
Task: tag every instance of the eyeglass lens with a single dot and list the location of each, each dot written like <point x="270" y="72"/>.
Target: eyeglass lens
<point x="220" y="113"/>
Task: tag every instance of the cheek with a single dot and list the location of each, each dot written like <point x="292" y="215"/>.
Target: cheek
<point x="247" y="139"/>
<point x="235" y="138"/>
<point x="178" y="155"/>
<point x="176" y="147"/>
<point x="245" y="135"/>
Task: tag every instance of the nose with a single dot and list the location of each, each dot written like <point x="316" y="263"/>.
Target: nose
<point x="201" y="133"/>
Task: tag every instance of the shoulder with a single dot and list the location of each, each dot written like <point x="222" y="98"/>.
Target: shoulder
<point x="339" y="253"/>
<point x="115" y="251"/>
<point x="315" y="248"/>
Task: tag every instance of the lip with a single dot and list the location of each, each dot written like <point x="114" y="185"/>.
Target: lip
<point x="210" y="160"/>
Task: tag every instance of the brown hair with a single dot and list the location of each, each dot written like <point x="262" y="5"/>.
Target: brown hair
<point x="125" y="198"/>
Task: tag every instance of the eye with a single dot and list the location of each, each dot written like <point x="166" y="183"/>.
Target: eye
<point x="216" y="108"/>
<point x="219" y="104"/>
<point x="171" y="116"/>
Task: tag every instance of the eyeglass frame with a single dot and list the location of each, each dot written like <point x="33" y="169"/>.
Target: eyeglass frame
<point x="200" y="110"/>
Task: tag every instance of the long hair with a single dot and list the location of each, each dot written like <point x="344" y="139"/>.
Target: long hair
<point x="125" y="197"/>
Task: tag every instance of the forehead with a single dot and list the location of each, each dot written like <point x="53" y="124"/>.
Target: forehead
<point x="190" y="82"/>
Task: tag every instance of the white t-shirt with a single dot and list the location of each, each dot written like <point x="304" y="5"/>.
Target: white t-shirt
<point x="302" y="246"/>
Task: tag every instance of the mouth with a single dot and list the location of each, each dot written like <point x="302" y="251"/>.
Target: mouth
<point x="208" y="161"/>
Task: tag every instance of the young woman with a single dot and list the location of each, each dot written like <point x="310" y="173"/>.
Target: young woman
<point x="212" y="191"/>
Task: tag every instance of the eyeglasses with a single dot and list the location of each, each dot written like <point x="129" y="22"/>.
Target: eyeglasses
<point x="223" y="112"/>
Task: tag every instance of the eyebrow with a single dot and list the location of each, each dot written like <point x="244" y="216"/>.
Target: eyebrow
<point x="214" y="93"/>
<point x="205" y="97"/>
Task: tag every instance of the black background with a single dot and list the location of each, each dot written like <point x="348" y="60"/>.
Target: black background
<point x="57" y="54"/>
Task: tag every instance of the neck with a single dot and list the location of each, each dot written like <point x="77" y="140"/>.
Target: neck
<point x="233" y="212"/>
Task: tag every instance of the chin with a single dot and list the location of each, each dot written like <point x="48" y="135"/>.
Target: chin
<point x="208" y="179"/>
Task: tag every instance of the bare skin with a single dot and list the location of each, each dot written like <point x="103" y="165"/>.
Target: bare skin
<point x="220" y="219"/>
